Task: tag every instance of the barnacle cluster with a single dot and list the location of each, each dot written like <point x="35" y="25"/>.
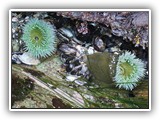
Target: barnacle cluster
<point x="39" y="37"/>
<point x="129" y="70"/>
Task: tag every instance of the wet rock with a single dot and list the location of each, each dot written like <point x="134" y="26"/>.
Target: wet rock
<point x="82" y="90"/>
<point x="121" y="23"/>
<point x="21" y="87"/>
<point x="15" y="46"/>
<point x="58" y="103"/>
<point x="13" y="30"/>
<point x="141" y="19"/>
<point x="78" y="97"/>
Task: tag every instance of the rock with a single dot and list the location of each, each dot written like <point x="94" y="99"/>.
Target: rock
<point x="15" y="46"/>
<point x="13" y="30"/>
<point x="141" y="19"/>
<point x="78" y="97"/>
<point x="91" y="50"/>
<point x="14" y="19"/>
<point x="27" y="18"/>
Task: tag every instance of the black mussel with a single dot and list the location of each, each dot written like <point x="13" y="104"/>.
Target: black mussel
<point x="68" y="69"/>
<point x="98" y="44"/>
<point x="64" y="34"/>
<point x="67" y="49"/>
<point x="109" y="42"/>
<point x="15" y="58"/>
<point x="76" y="69"/>
<point x="104" y="30"/>
<point x="71" y="66"/>
<point x="66" y="58"/>
<point x="17" y="53"/>
<point x="88" y="75"/>
<point x="84" y="70"/>
<point x="67" y="35"/>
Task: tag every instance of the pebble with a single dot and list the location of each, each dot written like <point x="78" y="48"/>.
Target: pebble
<point x="36" y="15"/>
<point x="13" y="36"/>
<point x="13" y="30"/>
<point x="45" y="15"/>
<point x="14" y="19"/>
<point x="91" y="50"/>
<point x="16" y="34"/>
<point x="21" y="21"/>
<point x="113" y="49"/>
<point x="90" y="97"/>
<point x="118" y="105"/>
<point x="26" y="18"/>
<point x="15" y="46"/>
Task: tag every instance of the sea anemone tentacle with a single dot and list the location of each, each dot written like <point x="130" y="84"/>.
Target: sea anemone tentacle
<point x="129" y="70"/>
<point x="39" y="37"/>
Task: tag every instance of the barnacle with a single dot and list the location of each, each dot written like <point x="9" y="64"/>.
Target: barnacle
<point x="129" y="70"/>
<point x="39" y="37"/>
<point x="137" y="40"/>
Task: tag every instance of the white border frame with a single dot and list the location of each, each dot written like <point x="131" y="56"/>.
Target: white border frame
<point x="54" y="10"/>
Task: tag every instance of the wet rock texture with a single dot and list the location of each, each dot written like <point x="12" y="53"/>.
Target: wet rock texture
<point x="47" y="84"/>
<point x="38" y="88"/>
<point x="131" y="25"/>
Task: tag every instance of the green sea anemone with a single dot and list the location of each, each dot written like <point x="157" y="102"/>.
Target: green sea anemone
<point x="129" y="70"/>
<point x="39" y="37"/>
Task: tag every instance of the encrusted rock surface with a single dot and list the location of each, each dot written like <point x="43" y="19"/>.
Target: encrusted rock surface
<point x="131" y="25"/>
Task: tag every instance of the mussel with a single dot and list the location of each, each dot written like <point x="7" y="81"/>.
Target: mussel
<point x="99" y="44"/>
<point x="67" y="49"/>
<point x="66" y="35"/>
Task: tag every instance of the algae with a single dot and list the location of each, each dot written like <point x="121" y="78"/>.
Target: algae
<point x="98" y="65"/>
<point x="52" y="91"/>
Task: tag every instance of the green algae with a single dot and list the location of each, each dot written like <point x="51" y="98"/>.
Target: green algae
<point x="98" y="65"/>
<point x="97" y="93"/>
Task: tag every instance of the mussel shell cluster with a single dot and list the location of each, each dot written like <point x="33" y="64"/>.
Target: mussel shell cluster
<point x="91" y="37"/>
